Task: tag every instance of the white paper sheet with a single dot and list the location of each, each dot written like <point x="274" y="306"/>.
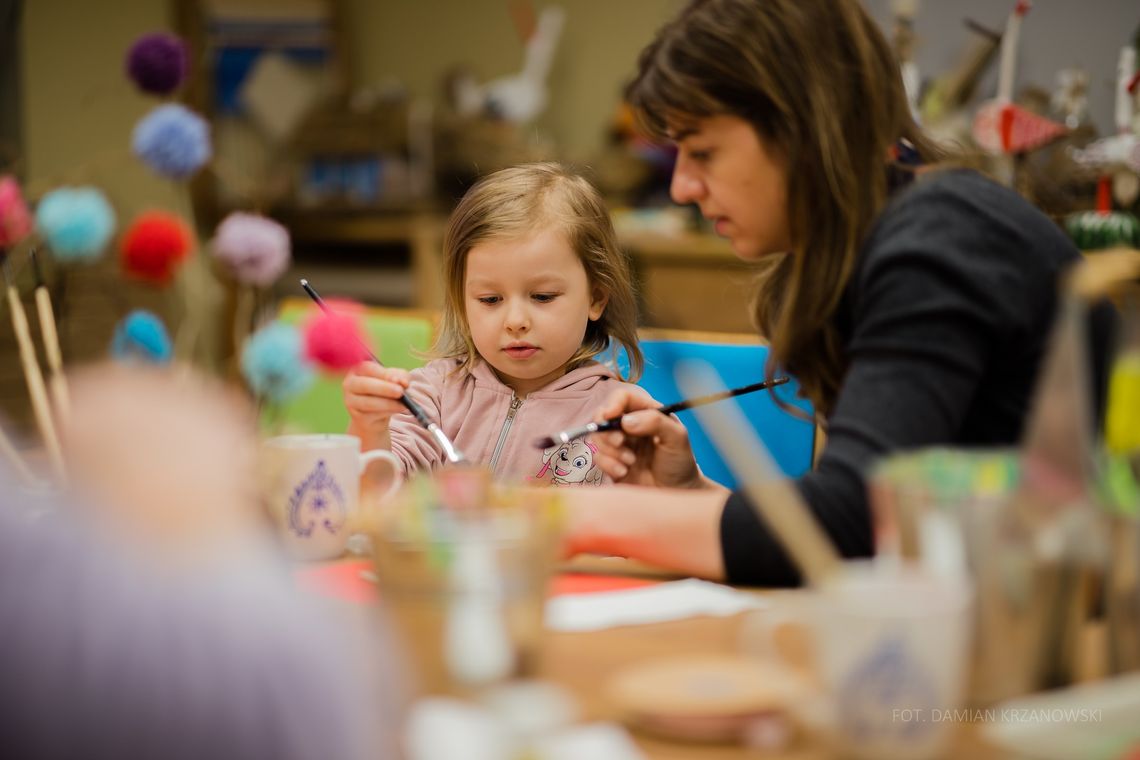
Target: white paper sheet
<point x="652" y="604"/>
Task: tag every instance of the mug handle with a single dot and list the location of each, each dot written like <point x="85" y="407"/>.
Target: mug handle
<point x="368" y="457"/>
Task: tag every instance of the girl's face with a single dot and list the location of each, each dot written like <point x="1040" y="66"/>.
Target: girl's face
<point x="528" y="301"/>
<point x="725" y="168"/>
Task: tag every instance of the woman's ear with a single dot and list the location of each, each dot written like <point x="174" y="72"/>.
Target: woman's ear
<point x="599" y="297"/>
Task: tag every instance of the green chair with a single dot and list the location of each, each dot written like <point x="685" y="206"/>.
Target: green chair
<point x="397" y="335"/>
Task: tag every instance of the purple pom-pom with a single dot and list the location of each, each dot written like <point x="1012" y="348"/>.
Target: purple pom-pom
<point x="254" y="248"/>
<point x="157" y="63"/>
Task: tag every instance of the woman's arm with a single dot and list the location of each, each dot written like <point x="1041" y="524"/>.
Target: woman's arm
<point x="674" y="529"/>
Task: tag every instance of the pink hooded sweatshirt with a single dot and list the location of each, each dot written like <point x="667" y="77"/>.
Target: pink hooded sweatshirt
<point x="490" y="425"/>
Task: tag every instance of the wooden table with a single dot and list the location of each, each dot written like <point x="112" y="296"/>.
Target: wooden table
<point x="583" y="662"/>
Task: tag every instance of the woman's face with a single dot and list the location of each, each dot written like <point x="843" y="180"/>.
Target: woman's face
<point x="739" y="184"/>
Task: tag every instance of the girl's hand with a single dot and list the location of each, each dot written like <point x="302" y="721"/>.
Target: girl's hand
<point x="372" y="394"/>
<point x="651" y="450"/>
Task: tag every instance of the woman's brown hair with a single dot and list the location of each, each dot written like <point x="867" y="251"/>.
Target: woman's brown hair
<point x="519" y="201"/>
<point x="821" y="87"/>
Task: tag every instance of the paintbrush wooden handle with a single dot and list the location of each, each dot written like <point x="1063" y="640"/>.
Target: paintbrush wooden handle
<point x="35" y="380"/>
<point x="56" y="381"/>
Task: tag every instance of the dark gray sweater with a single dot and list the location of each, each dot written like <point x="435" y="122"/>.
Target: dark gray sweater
<point x="945" y="323"/>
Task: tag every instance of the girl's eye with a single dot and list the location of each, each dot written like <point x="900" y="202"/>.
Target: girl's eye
<point x="488" y="299"/>
<point x="700" y="156"/>
<point x="544" y="297"/>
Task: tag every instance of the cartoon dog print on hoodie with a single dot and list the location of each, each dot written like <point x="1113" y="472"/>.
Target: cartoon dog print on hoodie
<point x="571" y="464"/>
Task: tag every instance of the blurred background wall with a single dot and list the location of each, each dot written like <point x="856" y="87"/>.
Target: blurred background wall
<point x="69" y="111"/>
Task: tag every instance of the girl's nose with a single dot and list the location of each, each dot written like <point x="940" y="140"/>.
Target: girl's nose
<point x="685" y="186"/>
<point x="517" y="317"/>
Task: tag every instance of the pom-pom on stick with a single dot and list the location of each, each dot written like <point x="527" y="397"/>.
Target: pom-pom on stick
<point x="15" y="221"/>
<point x="157" y="63"/>
<point x="33" y="377"/>
<point x="453" y="454"/>
<point x="334" y="338"/>
<point x="56" y="381"/>
<point x="274" y="363"/>
<point x="75" y="222"/>
<point x="141" y="336"/>
<point x="254" y="248"/>
<point x="154" y="246"/>
<point x="173" y="141"/>
<point x="776" y="502"/>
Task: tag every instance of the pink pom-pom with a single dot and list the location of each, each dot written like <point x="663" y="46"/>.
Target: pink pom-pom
<point x="254" y="248"/>
<point x="336" y="340"/>
<point x="15" y="220"/>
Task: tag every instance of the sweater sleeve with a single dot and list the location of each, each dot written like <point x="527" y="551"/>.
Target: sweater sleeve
<point x="929" y="308"/>
<point x="412" y="445"/>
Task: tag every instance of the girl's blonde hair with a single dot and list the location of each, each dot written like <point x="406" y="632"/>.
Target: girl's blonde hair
<point x="521" y="200"/>
<point x="820" y="85"/>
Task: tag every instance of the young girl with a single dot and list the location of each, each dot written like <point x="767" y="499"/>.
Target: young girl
<point x="536" y="287"/>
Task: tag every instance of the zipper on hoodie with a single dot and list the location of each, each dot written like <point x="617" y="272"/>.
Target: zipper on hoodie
<point x="516" y="402"/>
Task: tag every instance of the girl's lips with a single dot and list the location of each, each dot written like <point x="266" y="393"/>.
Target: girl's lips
<point x="721" y="227"/>
<point x="521" y="352"/>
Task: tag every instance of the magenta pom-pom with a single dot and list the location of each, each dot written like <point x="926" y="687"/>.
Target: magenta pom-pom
<point x="15" y="219"/>
<point x="335" y="340"/>
<point x="157" y="63"/>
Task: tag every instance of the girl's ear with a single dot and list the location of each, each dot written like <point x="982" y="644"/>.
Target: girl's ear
<point x="598" y="300"/>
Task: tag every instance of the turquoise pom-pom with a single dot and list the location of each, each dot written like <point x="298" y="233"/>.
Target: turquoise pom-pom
<point x="274" y="365"/>
<point x="141" y="336"/>
<point x="75" y="222"/>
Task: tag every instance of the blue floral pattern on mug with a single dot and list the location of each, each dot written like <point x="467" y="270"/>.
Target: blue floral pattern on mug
<point x="317" y="502"/>
<point x="888" y="679"/>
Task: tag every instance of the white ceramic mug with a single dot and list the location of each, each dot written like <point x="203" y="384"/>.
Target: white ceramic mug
<point x="312" y="487"/>
<point x="891" y="650"/>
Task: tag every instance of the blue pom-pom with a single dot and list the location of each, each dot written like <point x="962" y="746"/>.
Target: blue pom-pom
<point x="274" y="364"/>
<point x="141" y="336"/>
<point x="75" y="222"/>
<point x="172" y="140"/>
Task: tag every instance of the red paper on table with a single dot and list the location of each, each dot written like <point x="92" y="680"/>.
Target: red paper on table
<point x="343" y="580"/>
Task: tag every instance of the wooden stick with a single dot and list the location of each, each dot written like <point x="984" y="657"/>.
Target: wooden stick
<point x="23" y="472"/>
<point x="35" y="381"/>
<point x="773" y="498"/>
<point x="56" y="381"/>
<point x="244" y="303"/>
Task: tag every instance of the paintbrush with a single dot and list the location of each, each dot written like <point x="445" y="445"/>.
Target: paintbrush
<point x="614" y="423"/>
<point x="453" y="454"/>
<point x="32" y="374"/>
<point x="772" y="496"/>
<point x="57" y="384"/>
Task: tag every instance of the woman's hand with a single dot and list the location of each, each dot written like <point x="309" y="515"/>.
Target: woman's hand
<point x="651" y="450"/>
<point x="372" y="395"/>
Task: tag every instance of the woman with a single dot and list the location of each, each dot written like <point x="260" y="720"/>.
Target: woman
<point x="912" y="313"/>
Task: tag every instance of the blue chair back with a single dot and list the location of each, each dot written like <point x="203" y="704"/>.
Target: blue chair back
<point x="790" y="440"/>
